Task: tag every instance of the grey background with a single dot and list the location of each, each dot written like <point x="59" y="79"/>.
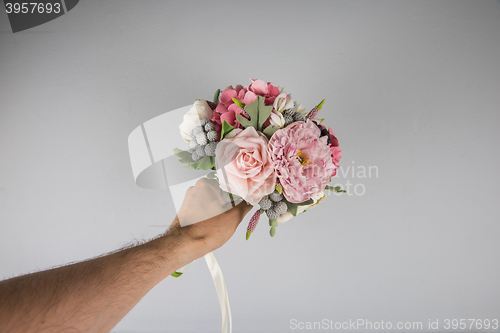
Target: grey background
<point x="411" y="87"/>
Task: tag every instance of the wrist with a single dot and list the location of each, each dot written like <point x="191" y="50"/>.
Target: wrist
<point x="188" y="243"/>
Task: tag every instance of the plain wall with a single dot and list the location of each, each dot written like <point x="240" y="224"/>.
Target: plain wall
<point x="411" y="87"/>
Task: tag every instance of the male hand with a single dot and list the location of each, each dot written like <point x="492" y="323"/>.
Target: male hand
<point x="205" y="219"/>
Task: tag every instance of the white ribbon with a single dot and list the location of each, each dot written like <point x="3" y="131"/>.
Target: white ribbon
<point x="220" y="287"/>
<point x="149" y="146"/>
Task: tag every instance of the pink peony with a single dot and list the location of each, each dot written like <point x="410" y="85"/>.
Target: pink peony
<point x="261" y="88"/>
<point x="249" y="171"/>
<point x="227" y="109"/>
<point x="302" y="160"/>
<point x="335" y="150"/>
<point x="333" y="143"/>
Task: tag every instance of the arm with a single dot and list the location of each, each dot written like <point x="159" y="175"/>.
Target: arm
<point x="94" y="295"/>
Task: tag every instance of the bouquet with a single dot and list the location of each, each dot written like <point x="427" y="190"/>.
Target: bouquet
<point x="262" y="147"/>
<point x="259" y="144"/>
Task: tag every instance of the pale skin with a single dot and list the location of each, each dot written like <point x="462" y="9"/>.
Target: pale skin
<point x="94" y="295"/>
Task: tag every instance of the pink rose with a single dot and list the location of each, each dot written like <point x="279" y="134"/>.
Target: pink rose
<point x="249" y="171"/>
<point x="227" y="109"/>
<point x="261" y="88"/>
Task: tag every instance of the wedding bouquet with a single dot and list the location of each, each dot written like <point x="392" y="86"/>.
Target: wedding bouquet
<point x="259" y="144"/>
<point x="263" y="148"/>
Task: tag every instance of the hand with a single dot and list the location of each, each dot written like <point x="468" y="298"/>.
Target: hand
<point x="204" y="202"/>
<point x="94" y="295"/>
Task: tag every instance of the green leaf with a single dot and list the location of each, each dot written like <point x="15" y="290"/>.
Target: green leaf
<point x="270" y="130"/>
<point x="272" y="232"/>
<point x="292" y="207"/>
<point x="216" y="96"/>
<point x="204" y="163"/>
<point x="184" y="156"/>
<point x="336" y="189"/>
<point x="212" y="175"/>
<point x="258" y="113"/>
<point x="320" y="105"/>
<point x="238" y="103"/>
<point x="176" y="274"/>
<point x="307" y="202"/>
<point x="279" y="189"/>
<point x="226" y="129"/>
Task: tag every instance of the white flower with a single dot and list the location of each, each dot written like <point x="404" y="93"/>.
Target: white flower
<point x="282" y="102"/>
<point x="287" y="216"/>
<point x="277" y="119"/>
<point x="301" y="109"/>
<point x="199" y="110"/>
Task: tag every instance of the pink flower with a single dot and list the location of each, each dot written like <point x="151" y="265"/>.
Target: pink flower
<point x="333" y="143"/>
<point x="335" y="150"/>
<point x="244" y="167"/>
<point x="226" y="97"/>
<point x="261" y="88"/>
<point x="302" y="159"/>
<point x="227" y="109"/>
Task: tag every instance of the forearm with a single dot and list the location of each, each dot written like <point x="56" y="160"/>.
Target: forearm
<point x="94" y="295"/>
<point x="90" y="296"/>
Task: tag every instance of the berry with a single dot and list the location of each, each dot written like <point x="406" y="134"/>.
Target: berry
<point x="280" y="207"/>
<point x="289" y="112"/>
<point x="201" y="138"/>
<point x="200" y="150"/>
<point x="317" y="125"/>
<point x="209" y="127"/>
<point x="265" y="203"/>
<point x="276" y="196"/>
<point x="196" y="130"/>
<point x="212" y="136"/>
<point x="272" y="214"/>
<point x="297" y="116"/>
<point x="195" y="156"/>
<point x="203" y="122"/>
<point x="192" y="144"/>
<point x="210" y="148"/>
